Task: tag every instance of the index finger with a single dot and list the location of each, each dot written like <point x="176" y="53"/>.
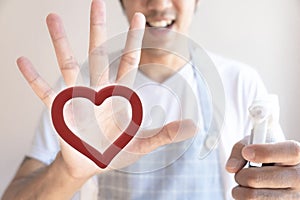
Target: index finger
<point x="172" y="132"/>
<point x="132" y="51"/>
<point x="284" y="153"/>
<point x="236" y="161"/>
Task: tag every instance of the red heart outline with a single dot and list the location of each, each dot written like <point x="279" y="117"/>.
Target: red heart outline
<point x="102" y="160"/>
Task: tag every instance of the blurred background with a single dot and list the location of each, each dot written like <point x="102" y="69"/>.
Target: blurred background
<point x="264" y="34"/>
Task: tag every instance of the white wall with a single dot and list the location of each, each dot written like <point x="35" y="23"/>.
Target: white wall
<point x="265" y="34"/>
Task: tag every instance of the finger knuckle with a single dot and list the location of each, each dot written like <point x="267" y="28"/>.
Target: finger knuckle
<point x="295" y="194"/>
<point x="47" y="94"/>
<point x="130" y="59"/>
<point x="254" y="179"/>
<point x="166" y="136"/>
<point x="289" y="193"/>
<point x="238" y="145"/>
<point x="99" y="51"/>
<point x="98" y="23"/>
<point x="58" y="37"/>
<point x="141" y="146"/>
<point x="238" y="177"/>
<point x="251" y="194"/>
<point x="295" y="150"/>
<point x="34" y="79"/>
<point x="135" y="36"/>
<point x="244" y="193"/>
<point x="250" y="178"/>
<point x="296" y="173"/>
<point x="234" y="192"/>
<point x="69" y="64"/>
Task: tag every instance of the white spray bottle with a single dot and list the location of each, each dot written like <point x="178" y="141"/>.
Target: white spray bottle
<point x="265" y="118"/>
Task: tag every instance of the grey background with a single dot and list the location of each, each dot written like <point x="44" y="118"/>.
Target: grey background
<point x="263" y="34"/>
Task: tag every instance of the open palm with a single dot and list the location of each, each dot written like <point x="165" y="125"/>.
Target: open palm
<point x="77" y="164"/>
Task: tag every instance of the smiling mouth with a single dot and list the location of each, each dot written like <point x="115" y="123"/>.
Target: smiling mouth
<point x="160" y="24"/>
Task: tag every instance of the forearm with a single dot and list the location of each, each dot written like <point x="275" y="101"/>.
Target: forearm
<point x="51" y="182"/>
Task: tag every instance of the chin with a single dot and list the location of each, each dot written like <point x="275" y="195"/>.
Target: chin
<point x="159" y="38"/>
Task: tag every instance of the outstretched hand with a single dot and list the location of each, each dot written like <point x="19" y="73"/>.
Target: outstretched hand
<point x="78" y="165"/>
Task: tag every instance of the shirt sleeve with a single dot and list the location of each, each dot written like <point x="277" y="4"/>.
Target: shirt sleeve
<point x="45" y="143"/>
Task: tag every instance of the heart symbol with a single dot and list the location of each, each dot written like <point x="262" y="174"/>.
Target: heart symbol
<point x="102" y="160"/>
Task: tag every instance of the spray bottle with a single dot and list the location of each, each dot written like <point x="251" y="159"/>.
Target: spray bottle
<point x="264" y="114"/>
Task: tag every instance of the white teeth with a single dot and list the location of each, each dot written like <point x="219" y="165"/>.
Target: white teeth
<point x="160" y="24"/>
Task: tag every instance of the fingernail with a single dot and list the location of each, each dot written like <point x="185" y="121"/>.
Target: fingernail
<point x="249" y="153"/>
<point x="232" y="163"/>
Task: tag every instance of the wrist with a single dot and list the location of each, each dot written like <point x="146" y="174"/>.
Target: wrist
<point x="65" y="173"/>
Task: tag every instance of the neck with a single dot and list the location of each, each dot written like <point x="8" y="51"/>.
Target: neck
<point x="159" y="65"/>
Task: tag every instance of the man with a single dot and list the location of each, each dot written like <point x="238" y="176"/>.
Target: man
<point x="61" y="174"/>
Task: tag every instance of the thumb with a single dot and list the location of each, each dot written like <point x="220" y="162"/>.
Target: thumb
<point x="236" y="161"/>
<point x="172" y="132"/>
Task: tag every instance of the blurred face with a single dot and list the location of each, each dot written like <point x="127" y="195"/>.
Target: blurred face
<point x="173" y="15"/>
<point x="164" y="19"/>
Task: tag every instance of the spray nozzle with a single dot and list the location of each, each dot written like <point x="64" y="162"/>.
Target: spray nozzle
<point x="265" y="118"/>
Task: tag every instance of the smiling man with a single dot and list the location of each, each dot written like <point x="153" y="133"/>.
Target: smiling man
<point x="165" y="164"/>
